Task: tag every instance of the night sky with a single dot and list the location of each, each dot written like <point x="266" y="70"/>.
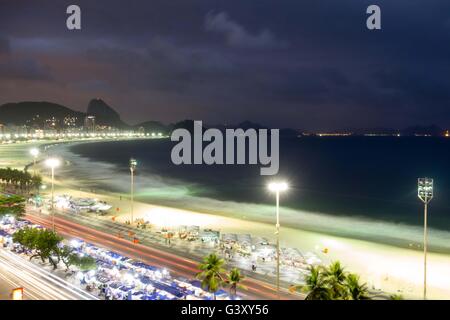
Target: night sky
<point x="302" y="64"/>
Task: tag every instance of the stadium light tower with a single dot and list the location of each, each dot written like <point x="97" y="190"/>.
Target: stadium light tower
<point x="53" y="163"/>
<point x="35" y="154"/>
<point x="425" y="193"/>
<point x="278" y="187"/>
<point x="133" y="165"/>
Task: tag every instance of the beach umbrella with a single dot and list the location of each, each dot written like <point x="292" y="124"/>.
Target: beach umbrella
<point x="145" y="280"/>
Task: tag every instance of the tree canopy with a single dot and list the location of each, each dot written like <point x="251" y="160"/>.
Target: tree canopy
<point x="46" y="245"/>
<point x="333" y="283"/>
<point x="211" y="273"/>
<point x="19" y="181"/>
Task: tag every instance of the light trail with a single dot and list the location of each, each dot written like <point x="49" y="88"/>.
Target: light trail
<point x="38" y="283"/>
<point x="179" y="266"/>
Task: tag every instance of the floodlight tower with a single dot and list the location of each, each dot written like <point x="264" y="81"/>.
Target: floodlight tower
<point x="277" y="188"/>
<point x="133" y="165"/>
<point x="425" y="193"/>
<point x="53" y="163"/>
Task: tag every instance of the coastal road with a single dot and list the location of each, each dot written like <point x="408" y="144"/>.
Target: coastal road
<point x="38" y="283"/>
<point x="179" y="266"/>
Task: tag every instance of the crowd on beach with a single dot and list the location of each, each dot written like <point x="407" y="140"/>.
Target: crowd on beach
<point x="252" y="252"/>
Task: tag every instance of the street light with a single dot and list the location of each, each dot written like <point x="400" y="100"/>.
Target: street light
<point x="34" y="153"/>
<point x="425" y="193"/>
<point x="133" y="165"/>
<point x="53" y="163"/>
<point x="278" y="187"/>
<point x="17" y="294"/>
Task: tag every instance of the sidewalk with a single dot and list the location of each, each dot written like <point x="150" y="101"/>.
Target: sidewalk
<point x="191" y="250"/>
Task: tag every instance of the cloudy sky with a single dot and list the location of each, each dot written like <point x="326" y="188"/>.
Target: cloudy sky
<point x="302" y="64"/>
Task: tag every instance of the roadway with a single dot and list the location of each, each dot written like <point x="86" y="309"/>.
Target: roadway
<point x="179" y="266"/>
<point x="38" y="283"/>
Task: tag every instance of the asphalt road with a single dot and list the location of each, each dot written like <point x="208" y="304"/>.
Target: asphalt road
<point x="179" y="266"/>
<point x="38" y="283"/>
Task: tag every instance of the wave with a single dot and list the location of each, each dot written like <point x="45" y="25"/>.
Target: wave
<point x="155" y="189"/>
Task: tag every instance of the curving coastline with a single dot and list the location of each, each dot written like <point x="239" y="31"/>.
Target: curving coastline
<point x="383" y="266"/>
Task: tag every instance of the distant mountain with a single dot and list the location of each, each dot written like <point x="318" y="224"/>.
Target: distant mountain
<point x="287" y="132"/>
<point x="32" y="113"/>
<point x="154" y="126"/>
<point x="104" y="114"/>
<point x="29" y="113"/>
<point x="433" y="130"/>
<point x="35" y="113"/>
<point x="242" y="125"/>
<point x="377" y="130"/>
<point x="245" y="125"/>
<point x="185" y="124"/>
<point x="249" y="125"/>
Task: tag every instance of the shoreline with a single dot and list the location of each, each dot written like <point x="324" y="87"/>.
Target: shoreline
<point x="386" y="267"/>
<point x="170" y="191"/>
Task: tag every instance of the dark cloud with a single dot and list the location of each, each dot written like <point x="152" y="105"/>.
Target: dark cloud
<point x="285" y="63"/>
<point x="13" y="69"/>
<point x="4" y="46"/>
<point x="236" y="35"/>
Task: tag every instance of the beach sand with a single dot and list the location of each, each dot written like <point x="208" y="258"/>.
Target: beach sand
<point x="389" y="268"/>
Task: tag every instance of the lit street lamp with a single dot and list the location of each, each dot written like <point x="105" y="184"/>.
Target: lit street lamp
<point x="133" y="165"/>
<point x="34" y="153"/>
<point x="278" y="187"/>
<point x="17" y="294"/>
<point x="425" y="193"/>
<point x="53" y="163"/>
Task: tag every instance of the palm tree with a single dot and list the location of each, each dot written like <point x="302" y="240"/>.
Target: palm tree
<point x="356" y="290"/>
<point x="19" y="181"/>
<point x="211" y="273"/>
<point x="335" y="277"/>
<point x="396" y="297"/>
<point x="315" y="285"/>
<point x="234" y="280"/>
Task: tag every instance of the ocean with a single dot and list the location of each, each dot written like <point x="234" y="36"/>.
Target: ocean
<point x="362" y="187"/>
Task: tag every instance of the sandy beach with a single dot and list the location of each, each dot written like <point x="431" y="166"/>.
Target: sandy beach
<point x="392" y="269"/>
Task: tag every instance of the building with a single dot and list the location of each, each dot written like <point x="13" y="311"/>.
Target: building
<point x="89" y="123"/>
<point x="70" y="121"/>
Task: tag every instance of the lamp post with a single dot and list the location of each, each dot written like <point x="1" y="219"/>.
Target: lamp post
<point x="34" y="153"/>
<point x="53" y="163"/>
<point x="133" y="165"/>
<point x="425" y="193"/>
<point x="278" y="187"/>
